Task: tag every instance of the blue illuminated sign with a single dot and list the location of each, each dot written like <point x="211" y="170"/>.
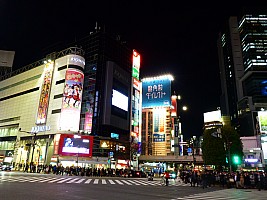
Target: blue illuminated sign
<point x="158" y="137"/>
<point x="156" y="93"/>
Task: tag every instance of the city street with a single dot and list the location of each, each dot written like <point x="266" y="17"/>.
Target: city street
<point x="16" y="186"/>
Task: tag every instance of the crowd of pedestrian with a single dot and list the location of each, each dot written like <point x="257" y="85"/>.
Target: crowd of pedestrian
<point x="239" y="179"/>
<point x="72" y="170"/>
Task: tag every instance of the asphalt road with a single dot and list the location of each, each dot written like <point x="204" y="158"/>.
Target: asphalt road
<point x="21" y="186"/>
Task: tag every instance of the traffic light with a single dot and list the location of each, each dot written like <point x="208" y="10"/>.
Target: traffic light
<point x="236" y="160"/>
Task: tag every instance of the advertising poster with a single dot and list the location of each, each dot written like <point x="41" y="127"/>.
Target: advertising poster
<point x="136" y="64"/>
<point x="45" y="93"/>
<point x="71" y="103"/>
<point x="159" y="125"/>
<point x="156" y="93"/>
<point x="262" y="116"/>
<point x="71" y="145"/>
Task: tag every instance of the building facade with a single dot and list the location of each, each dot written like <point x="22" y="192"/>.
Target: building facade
<point x="106" y="103"/>
<point x="243" y="66"/>
<point x="39" y="104"/>
<point x="243" y="70"/>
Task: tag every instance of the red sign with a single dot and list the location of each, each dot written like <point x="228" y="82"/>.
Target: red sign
<point x="73" y="145"/>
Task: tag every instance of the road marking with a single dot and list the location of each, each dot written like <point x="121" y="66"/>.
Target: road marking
<point x="73" y="180"/>
<point x="134" y="182"/>
<point x="64" y="180"/>
<point x="81" y="180"/>
<point x="58" y="179"/>
<point x="104" y="181"/>
<point x="126" y="182"/>
<point x="96" y="181"/>
<point x="111" y="182"/>
<point x="120" y="183"/>
<point x="88" y="181"/>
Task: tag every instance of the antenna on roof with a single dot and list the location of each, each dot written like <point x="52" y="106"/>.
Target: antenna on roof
<point x="95" y="25"/>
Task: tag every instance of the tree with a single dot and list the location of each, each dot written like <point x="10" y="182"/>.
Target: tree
<point x="213" y="151"/>
<point x="219" y="144"/>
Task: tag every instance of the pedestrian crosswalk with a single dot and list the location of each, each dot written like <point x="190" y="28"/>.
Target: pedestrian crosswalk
<point x="85" y="180"/>
<point x="227" y="194"/>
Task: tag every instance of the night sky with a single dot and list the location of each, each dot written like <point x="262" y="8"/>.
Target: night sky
<point x="172" y="37"/>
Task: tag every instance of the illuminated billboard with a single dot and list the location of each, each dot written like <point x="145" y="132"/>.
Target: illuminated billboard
<point x="213" y="116"/>
<point x="174" y="106"/>
<point x="156" y="91"/>
<point x="71" y="102"/>
<point x="136" y="64"/>
<point x="159" y="121"/>
<point x="262" y="116"/>
<point x="45" y="93"/>
<point x="264" y="145"/>
<point x="71" y="145"/>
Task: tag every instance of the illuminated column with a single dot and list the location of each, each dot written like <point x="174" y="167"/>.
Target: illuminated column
<point x="72" y="95"/>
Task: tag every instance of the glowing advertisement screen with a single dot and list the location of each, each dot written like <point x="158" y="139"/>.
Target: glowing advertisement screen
<point x="174" y="106"/>
<point x="262" y="116"/>
<point x="156" y="93"/>
<point x="159" y="125"/>
<point x="89" y="105"/>
<point x="88" y="121"/>
<point x="70" y="145"/>
<point x="71" y="103"/>
<point x="119" y="100"/>
<point x="136" y="64"/>
<point x="264" y="146"/>
<point x="45" y="93"/>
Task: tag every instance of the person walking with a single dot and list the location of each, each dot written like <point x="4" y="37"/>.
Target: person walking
<point x="167" y="177"/>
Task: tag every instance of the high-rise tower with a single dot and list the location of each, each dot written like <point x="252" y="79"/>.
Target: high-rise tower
<point x="243" y="67"/>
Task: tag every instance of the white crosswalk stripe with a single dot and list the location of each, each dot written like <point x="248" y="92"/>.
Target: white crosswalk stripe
<point x="227" y="194"/>
<point x="111" y="182"/>
<point x="88" y="181"/>
<point x="85" y="180"/>
<point x="79" y="181"/>
<point x="64" y="180"/>
<point x="72" y="180"/>
<point x="96" y="181"/>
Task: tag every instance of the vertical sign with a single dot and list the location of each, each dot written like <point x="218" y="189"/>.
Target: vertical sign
<point x="136" y="64"/>
<point x="159" y="115"/>
<point x="45" y="93"/>
<point x="71" y="102"/>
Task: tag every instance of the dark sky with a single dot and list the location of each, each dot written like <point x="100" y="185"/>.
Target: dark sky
<point x="177" y="37"/>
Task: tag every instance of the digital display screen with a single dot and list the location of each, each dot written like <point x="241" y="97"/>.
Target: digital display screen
<point x="119" y="100"/>
<point x="76" y="145"/>
<point x="156" y="93"/>
<point x="114" y="135"/>
<point x="71" y="145"/>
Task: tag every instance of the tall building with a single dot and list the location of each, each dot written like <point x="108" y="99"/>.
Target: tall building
<point x="106" y="104"/>
<point x="109" y="118"/>
<point x="243" y="70"/>
<point x="157" y="122"/>
<point x="242" y="49"/>
<point x="39" y="109"/>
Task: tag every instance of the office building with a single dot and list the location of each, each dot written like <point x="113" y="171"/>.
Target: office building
<point x="243" y="70"/>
